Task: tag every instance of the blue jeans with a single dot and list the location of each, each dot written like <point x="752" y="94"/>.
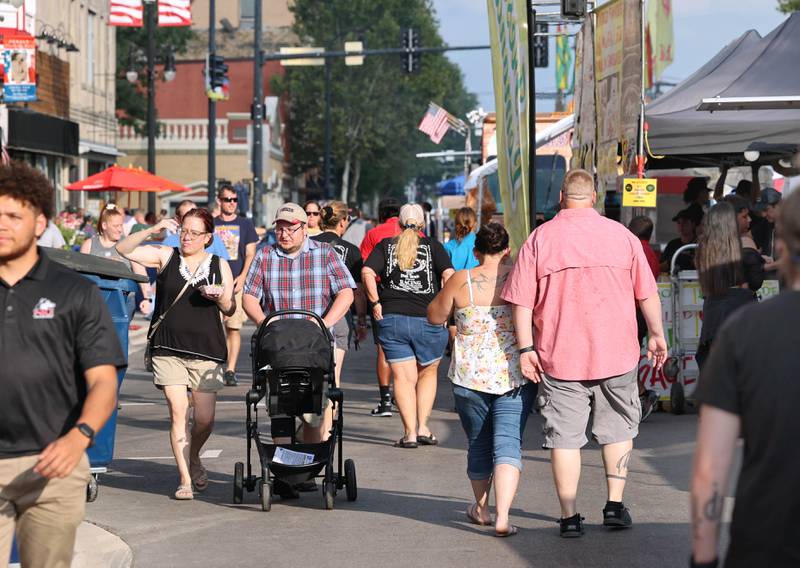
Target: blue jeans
<point x="494" y="424"/>
<point x="406" y="338"/>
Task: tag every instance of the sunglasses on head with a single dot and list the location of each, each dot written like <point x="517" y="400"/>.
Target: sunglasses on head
<point x="229" y="199"/>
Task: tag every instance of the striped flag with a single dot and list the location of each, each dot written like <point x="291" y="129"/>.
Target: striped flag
<point x="435" y="123"/>
<point x="127" y="13"/>
<point x="174" y="13"/>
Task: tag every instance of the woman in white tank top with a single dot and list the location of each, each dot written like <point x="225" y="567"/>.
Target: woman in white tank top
<point x="488" y="384"/>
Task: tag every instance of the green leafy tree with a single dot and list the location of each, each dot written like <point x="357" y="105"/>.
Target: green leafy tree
<point x="131" y="101"/>
<point x="376" y="107"/>
<point x="788" y="6"/>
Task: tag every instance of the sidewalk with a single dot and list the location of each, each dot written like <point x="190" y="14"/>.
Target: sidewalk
<point x="411" y="503"/>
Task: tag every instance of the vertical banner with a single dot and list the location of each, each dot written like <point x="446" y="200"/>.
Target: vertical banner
<point x="583" y="147"/>
<point x="508" y="30"/>
<point x="660" y="39"/>
<point x="126" y="13"/>
<point x="618" y="82"/>
<point x="174" y="13"/>
<point x="19" y="68"/>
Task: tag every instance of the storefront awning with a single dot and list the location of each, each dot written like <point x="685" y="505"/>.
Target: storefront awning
<point x="39" y="133"/>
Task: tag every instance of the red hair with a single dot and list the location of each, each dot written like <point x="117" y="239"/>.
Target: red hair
<point x="205" y="217"/>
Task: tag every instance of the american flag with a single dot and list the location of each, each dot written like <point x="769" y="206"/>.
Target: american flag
<point x="174" y="13"/>
<point x="435" y="123"/>
<point x="126" y="13"/>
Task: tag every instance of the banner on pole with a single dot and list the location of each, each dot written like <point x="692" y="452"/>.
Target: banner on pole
<point x="126" y="13"/>
<point x="19" y="67"/>
<point x="173" y="13"/>
<point x="508" y="30"/>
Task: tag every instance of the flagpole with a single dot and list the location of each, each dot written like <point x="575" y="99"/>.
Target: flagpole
<point x="212" y="109"/>
<point x="531" y="120"/>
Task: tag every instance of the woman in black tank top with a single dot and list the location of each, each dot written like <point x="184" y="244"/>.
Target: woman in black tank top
<point x="194" y="290"/>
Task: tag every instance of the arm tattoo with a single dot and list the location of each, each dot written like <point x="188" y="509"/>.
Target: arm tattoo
<point x="624" y="461"/>
<point x="712" y="510"/>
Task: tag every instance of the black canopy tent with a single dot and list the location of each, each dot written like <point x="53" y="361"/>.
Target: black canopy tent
<point x="750" y="66"/>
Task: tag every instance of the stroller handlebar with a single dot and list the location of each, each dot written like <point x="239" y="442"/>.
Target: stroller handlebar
<point x="280" y="313"/>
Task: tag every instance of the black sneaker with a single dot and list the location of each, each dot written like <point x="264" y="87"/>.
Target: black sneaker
<point x="649" y="400"/>
<point x="230" y="379"/>
<point x="616" y="516"/>
<point x="571" y="527"/>
<point x="383" y="409"/>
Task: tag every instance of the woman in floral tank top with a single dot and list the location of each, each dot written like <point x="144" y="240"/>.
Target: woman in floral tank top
<point x="488" y="385"/>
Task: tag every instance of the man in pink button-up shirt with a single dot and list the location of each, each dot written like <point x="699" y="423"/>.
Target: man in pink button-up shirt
<point x="573" y="288"/>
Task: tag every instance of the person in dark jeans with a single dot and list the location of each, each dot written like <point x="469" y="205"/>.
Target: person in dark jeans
<point x="721" y="273"/>
<point x="748" y="389"/>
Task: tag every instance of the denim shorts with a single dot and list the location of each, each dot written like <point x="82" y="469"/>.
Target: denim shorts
<point x="405" y="338"/>
<point x="494" y="424"/>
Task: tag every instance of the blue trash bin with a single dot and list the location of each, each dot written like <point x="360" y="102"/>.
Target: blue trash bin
<point x="116" y="283"/>
<point x="115" y="293"/>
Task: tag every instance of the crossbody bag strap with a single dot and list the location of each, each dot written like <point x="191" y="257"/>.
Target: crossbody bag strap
<point x="160" y="319"/>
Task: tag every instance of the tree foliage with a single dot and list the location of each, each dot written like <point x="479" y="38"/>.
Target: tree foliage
<point x="131" y="101"/>
<point x="376" y="107"/>
<point x="788" y="6"/>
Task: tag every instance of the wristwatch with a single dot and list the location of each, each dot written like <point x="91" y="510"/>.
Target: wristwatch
<point x="527" y="349"/>
<point x="373" y="304"/>
<point x="87" y="431"/>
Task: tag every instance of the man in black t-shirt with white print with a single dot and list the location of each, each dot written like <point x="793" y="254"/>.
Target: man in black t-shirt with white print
<point x="58" y="379"/>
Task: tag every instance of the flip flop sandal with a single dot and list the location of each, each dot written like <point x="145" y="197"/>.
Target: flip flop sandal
<point x="199" y="477"/>
<point x="184" y="493"/>
<point x="512" y="530"/>
<point x="403" y="443"/>
<point x="473" y="517"/>
<point x="428" y="440"/>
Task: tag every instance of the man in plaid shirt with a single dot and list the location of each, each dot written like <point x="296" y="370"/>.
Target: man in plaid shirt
<point x="301" y="274"/>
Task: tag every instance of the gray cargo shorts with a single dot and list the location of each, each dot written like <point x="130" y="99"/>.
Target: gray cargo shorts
<point x="566" y="406"/>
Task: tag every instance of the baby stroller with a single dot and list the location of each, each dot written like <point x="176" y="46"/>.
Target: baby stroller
<point x="293" y="369"/>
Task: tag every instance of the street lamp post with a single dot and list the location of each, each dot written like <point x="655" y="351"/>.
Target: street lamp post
<point x="150" y="58"/>
<point x="151" y="99"/>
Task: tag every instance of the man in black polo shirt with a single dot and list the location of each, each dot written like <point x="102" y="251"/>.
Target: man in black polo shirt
<point x="58" y="378"/>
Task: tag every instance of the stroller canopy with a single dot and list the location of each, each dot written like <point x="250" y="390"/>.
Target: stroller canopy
<point x="294" y="343"/>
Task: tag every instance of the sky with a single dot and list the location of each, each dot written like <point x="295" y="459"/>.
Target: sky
<point x="701" y="28"/>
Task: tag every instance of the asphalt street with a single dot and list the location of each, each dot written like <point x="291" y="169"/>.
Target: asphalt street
<point x="411" y="502"/>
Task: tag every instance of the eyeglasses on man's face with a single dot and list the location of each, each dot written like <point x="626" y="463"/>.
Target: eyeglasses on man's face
<point x="192" y="234"/>
<point x="229" y="199"/>
<point x="288" y="230"/>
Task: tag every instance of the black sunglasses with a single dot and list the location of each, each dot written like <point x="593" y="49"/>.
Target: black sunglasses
<point x="229" y="199"/>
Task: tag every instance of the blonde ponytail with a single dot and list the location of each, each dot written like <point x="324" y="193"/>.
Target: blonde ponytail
<point x="407" y="244"/>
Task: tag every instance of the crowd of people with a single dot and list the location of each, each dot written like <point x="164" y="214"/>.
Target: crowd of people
<point x="558" y="329"/>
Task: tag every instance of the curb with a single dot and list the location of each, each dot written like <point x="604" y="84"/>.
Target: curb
<point x="97" y="548"/>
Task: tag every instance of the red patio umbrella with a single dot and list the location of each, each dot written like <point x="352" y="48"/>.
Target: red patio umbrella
<point x="117" y="178"/>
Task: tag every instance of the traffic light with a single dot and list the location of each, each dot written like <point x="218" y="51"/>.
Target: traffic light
<point x="217" y="87"/>
<point x="573" y="9"/>
<point x="410" y="59"/>
<point x="218" y="71"/>
<point x="541" y="46"/>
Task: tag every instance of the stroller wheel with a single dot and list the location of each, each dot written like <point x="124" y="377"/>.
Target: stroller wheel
<point x="265" y="493"/>
<point x="328" y="493"/>
<point x="678" y="398"/>
<point x="238" y="483"/>
<point x="350" y="480"/>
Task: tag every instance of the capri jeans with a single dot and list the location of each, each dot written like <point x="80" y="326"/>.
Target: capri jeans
<point x="494" y="424"/>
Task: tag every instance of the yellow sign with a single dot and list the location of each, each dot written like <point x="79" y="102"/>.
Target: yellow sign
<point x="639" y="192"/>
<point x="304" y="61"/>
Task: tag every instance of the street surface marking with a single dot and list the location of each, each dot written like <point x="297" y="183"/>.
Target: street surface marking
<point x="164" y="403"/>
<point x="210" y="454"/>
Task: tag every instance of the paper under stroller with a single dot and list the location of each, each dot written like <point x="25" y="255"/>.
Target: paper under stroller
<point x="293" y="369"/>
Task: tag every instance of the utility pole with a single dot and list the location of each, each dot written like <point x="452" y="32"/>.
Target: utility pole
<point x="152" y="9"/>
<point x="326" y="166"/>
<point x="257" y="116"/>
<point x="531" y="118"/>
<point x="212" y="109"/>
